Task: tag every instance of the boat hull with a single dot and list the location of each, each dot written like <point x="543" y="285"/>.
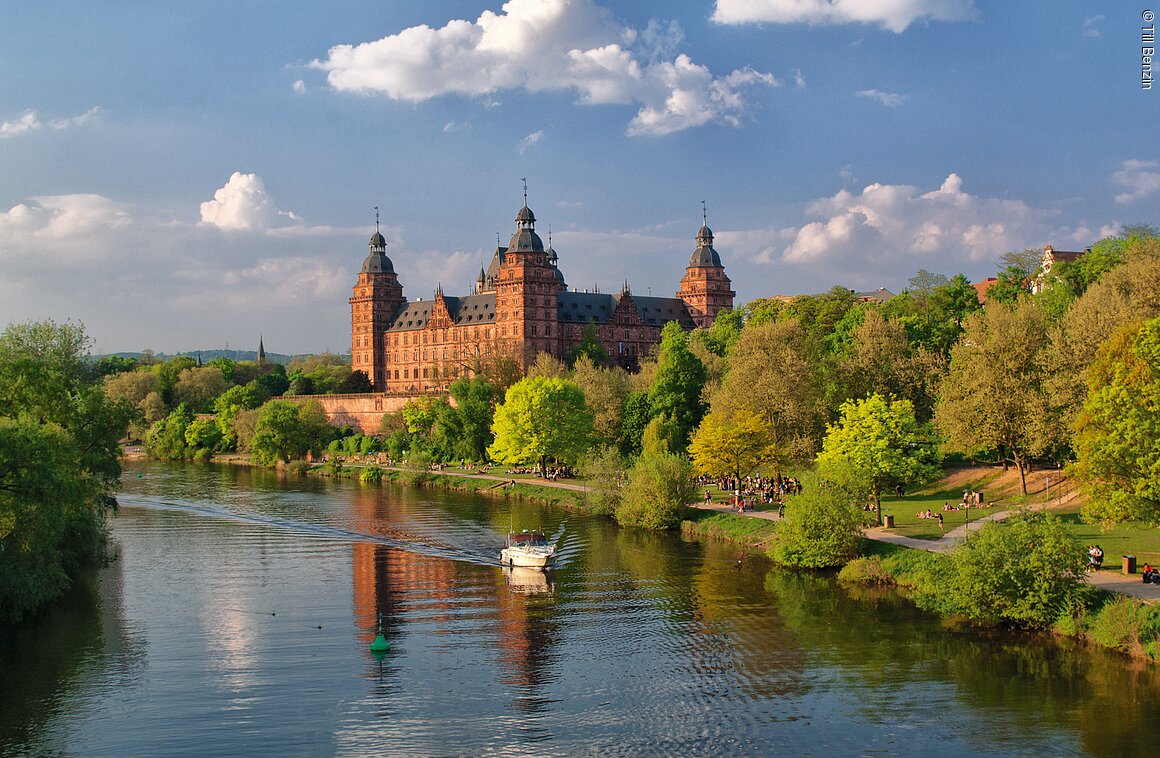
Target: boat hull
<point x="527" y="557"/>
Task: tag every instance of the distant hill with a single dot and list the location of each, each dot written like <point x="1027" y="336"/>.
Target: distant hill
<point x="209" y="355"/>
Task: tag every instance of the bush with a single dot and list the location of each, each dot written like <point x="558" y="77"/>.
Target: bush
<point x="659" y="489"/>
<point x="371" y="475"/>
<point x="1024" y="571"/>
<point x="822" y="527"/>
<point x="1127" y="625"/>
<point x="865" y="571"/>
<point x="298" y="468"/>
<point x="604" y="469"/>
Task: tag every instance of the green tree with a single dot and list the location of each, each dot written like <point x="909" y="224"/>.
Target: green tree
<point x="822" y="527"/>
<point x="202" y="437"/>
<point x="166" y="438"/>
<point x="475" y="403"/>
<point x="589" y="347"/>
<point x="879" y="443"/>
<point x="735" y="445"/>
<point x="58" y="461"/>
<point x="660" y="488"/>
<point x="772" y="373"/>
<point x="541" y="418"/>
<point x="635" y="417"/>
<point x="994" y="396"/>
<point x="605" y="391"/>
<point x="279" y="434"/>
<point x="676" y="390"/>
<point x="199" y="387"/>
<point x="1118" y="431"/>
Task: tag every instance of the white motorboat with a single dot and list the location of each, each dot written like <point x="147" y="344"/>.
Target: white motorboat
<point x="528" y="550"/>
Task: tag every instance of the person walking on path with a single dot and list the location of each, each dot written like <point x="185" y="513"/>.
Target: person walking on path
<point x="940" y="522"/>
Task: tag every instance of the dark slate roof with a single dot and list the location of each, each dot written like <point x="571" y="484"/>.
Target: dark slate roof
<point x="493" y="267"/>
<point x="580" y="307"/>
<point x="658" y="311"/>
<point x="464" y="311"/>
<point x="377" y="263"/>
<point x="473" y="309"/>
<point x="526" y="241"/>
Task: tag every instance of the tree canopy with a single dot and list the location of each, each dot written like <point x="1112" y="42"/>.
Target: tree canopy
<point x="540" y="418"/>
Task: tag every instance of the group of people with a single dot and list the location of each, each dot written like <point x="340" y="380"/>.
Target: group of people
<point x="928" y="514"/>
<point x="1095" y="557"/>
<point x="1151" y="575"/>
<point x="757" y="489"/>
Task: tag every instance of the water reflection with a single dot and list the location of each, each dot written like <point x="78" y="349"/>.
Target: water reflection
<point x="239" y="617"/>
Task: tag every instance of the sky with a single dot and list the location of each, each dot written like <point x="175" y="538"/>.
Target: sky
<point x="181" y="176"/>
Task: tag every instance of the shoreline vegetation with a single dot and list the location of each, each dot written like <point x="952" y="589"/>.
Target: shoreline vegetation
<point x="1088" y="615"/>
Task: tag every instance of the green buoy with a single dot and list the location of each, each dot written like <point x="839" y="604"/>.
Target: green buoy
<point x="380" y="645"/>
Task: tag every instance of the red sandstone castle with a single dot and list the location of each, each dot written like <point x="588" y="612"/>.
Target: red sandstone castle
<point x="521" y="306"/>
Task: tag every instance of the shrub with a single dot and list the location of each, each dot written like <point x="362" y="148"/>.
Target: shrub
<point x="371" y="475"/>
<point x="822" y="526"/>
<point x="604" y="469"/>
<point x="1023" y="571"/>
<point x="660" y="487"/>
<point x="865" y="571"/>
<point x="298" y="468"/>
<point x="1127" y="625"/>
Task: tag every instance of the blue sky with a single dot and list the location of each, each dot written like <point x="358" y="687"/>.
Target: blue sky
<point x="186" y="175"/>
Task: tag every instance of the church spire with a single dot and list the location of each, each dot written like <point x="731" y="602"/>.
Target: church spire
<point x="261" y="351"/>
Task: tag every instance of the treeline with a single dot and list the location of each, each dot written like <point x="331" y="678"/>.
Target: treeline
<point x="59" y="462"/>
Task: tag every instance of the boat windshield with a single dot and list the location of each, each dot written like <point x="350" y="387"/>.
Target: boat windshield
<point x="536" y="539"/>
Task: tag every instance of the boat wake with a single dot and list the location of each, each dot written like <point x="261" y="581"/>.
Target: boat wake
<point x="379" y="534"/>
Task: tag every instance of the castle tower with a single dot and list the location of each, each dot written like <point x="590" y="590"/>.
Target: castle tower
<point x="526" y="289"/>
<point x="374" y="302"/>
<point x="705" y="288"/>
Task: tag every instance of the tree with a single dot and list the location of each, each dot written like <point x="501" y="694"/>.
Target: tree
<point x="822" y="527"/>
<point x="589" y="347"/>
<point x="634" y="418"/>
<point x="605" y="391"/>
<point x="1122" y="296"/>
<point x="474" y="401"/>
<point x="734" y="445"/>
<point x="199" y="387"/>
<point x="660" y="488"/>
<point x="279" y="434"/>
<point x="166" y="438"/>
<point x="676" y="391"/>
<point x="1117" y="438"/>
<point x="58" y="461"/>
<point x="541" y="418"/>
<point x="993" y="396"/>
<point x="879" y="443"/>
<point x="771" y="374"/>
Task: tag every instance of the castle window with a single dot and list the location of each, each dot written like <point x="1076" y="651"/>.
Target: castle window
<point x="424" y="373"/>
<point x="396" y="373"/>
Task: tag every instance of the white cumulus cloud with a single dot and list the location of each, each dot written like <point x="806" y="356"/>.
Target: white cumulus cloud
<point x="892" y="222"/>
<point x="894" y="15"/>
<point x="1140" y="178"/>
<point x="548" y="45"/>
<point x="240" y="205"/>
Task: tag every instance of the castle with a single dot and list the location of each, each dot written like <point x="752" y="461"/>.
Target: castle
<point x="520" y="306"/>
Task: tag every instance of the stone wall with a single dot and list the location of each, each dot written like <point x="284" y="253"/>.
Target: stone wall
<point x="362" y="412"/>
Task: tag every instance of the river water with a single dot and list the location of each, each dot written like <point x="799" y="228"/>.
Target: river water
<point x="237" y="616"/>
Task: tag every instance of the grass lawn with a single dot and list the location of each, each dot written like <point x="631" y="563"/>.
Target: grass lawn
<point x="906" y="508"/>
<point x="1124" y="539"/>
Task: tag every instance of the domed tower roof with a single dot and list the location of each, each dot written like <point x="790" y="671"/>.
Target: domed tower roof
<point x="704" y="254"/>
<point x="525" y="240"/>
<point x="377" y="261"/>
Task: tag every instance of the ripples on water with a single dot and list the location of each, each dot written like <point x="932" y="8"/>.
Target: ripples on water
<point x="237" y="618"/>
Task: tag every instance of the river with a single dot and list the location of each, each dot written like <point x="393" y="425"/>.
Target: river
<point x="237" y="616"/>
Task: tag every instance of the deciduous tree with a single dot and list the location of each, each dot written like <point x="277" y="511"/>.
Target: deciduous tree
<point x="731" y="445"/>
<point x="1118" y="431"/>
<point x="541" y="418"/>
<point x="879" y="443"/>
<point x="994" y="396"/>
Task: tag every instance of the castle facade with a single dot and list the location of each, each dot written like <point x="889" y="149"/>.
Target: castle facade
<point x="520" y="306"/>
